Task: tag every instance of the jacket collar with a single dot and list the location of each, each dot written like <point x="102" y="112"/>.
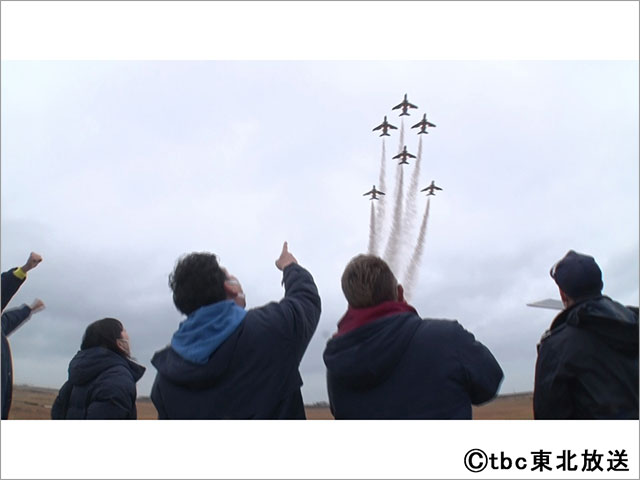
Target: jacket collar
<point x="358" y="317"/>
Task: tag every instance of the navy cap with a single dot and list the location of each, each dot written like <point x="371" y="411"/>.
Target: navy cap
<point x="577" y="275"/>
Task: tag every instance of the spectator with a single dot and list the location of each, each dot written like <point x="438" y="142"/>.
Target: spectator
<point x="11" y="320"/>
<point x="387" y="362"/>
<point x="102" y="377"/>
<point x="228" y="363"/>
<point x="587" y="364"/>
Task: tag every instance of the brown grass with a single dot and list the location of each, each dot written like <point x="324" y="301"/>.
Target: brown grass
<point x="34" y="403"/>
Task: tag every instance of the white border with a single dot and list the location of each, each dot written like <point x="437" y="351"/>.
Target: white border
<point x="316" y="30"/>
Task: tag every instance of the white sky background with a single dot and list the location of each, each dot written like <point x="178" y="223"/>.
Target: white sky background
<point x="113" y="169"/>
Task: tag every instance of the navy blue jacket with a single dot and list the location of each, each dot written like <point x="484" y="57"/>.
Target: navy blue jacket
<point x="254" y="373"/>
<point x="403" y="367"/>
<point x="587" y="364"/>
<point x="11" y="320"/>
<point x="101" y="386"/>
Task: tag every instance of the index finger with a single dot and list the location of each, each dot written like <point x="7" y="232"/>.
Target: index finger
<point x="285" y="247"/>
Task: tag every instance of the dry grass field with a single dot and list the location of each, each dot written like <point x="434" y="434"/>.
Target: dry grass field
<point x="34" y="403"/>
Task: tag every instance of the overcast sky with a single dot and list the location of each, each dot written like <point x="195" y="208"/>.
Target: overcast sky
<point x="112" y="170"/>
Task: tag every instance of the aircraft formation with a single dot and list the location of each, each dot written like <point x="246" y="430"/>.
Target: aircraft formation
<point x="397" y="227"/>
<point x="385" y="126"/>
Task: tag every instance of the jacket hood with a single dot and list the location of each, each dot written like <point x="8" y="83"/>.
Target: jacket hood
<point x="611" y="321"/>
<point x="366" y="356"/>
<point x="88" y="364"/>
<point x="206" y="329"/>
<point x="181" y="371"/>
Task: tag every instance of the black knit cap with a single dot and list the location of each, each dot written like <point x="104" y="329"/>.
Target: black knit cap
<point x="577" y="275"/>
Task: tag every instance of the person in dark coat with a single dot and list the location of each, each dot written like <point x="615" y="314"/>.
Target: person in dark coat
<point x="225" y="362"/>
<point x="12" y="319"/>
<point x="102" y="377"/>
<point x="587" y="365"/>
<point x="386" y="362"/>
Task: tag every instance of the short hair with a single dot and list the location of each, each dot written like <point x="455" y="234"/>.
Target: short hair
<point x="104" y="333"/>
<point x="197" y="280"/>
<point x="368" y="281"/>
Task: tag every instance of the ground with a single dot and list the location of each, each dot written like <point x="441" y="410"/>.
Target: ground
<point x="35" y="403"/>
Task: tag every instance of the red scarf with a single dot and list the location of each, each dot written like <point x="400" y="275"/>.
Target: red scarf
<point x="357" y="317"/>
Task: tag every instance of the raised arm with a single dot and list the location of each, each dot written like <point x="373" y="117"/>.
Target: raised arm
<point x="298" y="313"/>
<point x="14" y="278"/>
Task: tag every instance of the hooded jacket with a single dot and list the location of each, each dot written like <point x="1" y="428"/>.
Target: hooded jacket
<point x="11" y="320"/>
<point x="101" y="385"/>
<point x="223" y="364"/>
<point x="402" y="367"/>
<point x="587" y="365"/>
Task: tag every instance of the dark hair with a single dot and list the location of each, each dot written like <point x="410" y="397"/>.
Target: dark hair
<point x="104" y="333"/>
<point x="368" y="281"/>
<point x="197" y="280"/>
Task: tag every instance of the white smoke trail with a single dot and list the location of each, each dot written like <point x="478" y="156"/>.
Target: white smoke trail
<point x="393" y="244"/>
<point x="412" y="269"/>
<point x="383" y="188"/>
<point x="410" y="200"/>
<point x="373" y="238"/>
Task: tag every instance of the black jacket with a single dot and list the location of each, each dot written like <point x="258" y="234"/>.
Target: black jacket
<point x="254" y="373"/>
<point x="587" y="364"/>
<point x="101" y="386"/>
<point x="11" y="320"/>
<point x="403" y="367"/>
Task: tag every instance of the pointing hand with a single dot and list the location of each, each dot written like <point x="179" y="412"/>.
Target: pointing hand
<point x="285" y="258"/>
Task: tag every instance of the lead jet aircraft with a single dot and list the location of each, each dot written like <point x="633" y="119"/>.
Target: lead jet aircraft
<point x="405" y="105"/>
<point x="404" y="154"/>
<point x="431" y="188"/>
<point x="384" y="126"/>
<point x="423" y="124"/>
<point x="374" y="193"/>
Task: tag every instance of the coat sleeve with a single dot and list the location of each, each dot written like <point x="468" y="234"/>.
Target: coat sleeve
<point x="111" y="401"/>
<point x="298" y="313"/>
<point x="12" y="319"/>
<point x="552" y="388"/>
<point x="9" y="287"/>
<point x="482" y="371"/>
<point x="156" y="398"/>
<point x="61" y="403"/>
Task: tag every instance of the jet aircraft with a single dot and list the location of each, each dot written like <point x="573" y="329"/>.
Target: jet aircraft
<point x="404" y="154"/>
<point x="374" y="193"/>
<point x="423" y="124"/>
<point x="431" y="188"/>
<point x="385" y="126"/>
<point x="405" y="105"/>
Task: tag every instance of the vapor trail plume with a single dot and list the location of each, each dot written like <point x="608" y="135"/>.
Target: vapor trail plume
<point x="410" y="200"/>
<point x="382" y="187"/>
<point x="373" y="240"/>
<point x="414" y="263"/>
<point x="393" y="244"/>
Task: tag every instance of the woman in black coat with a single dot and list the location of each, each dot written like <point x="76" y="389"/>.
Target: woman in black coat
<point x="102" y="377"/>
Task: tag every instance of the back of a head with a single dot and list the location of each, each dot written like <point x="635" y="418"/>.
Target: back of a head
<point x="103" y="333"/>
<point x="197" y="280"/>
<point x="578" y="275"/>
<point x="368" y="281"/>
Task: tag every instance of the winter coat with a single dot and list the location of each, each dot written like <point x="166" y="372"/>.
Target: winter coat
<point x="587" y="365"/>
<point x="101" y="386"/>
<point x="402" y="367"/>
<point x="253" y="373"/>
<point x="11" y="320"/>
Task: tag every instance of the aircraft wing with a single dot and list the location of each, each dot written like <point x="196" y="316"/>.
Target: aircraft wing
<point x="397" y="107"/>
<point x="410" y="155"/>
<point x="368" y="193"/>
<point x="419" y="124"/>
<point x="431" y="124"/>
<point x="411" y="105"/>
<point x="392" y="127"/>
<point x="551" y="303"/>
<point x="378" y="127"/>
